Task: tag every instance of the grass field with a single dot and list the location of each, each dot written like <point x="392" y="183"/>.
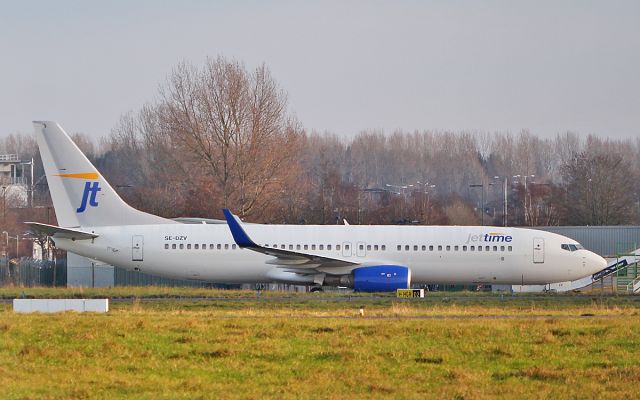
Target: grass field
<point x="215" y="344"/>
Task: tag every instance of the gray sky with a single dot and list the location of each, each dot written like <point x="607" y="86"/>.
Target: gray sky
<point x="548" y="66"/>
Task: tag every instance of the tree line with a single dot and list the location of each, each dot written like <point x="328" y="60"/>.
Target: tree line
<point x="221" y="135"/>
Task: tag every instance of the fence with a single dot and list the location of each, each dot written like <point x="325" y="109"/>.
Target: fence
<point x="28" y="272"/>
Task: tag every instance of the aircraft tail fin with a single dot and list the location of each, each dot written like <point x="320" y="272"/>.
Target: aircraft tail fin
<point x="81" y="196"/>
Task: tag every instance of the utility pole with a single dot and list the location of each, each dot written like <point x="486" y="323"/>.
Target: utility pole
<point x="31" y="185"/>
<point x="481" y="186"/>
<point x="504" y="222"/>
<point x="6" y="252"/>
<point x="4" y="202"/>
<point x="526" y="211"/>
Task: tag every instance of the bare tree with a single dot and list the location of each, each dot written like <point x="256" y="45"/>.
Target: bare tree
<point x="235" y="125"/>
<point x="460" y="212"/>
<point x="598" y="189"/>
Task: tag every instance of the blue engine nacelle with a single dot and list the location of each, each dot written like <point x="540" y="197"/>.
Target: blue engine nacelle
<point x="381" y="278"/>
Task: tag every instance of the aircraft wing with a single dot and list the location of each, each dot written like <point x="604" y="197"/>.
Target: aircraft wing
<point x="294" y="260"/>
<point x="60" y="232"/>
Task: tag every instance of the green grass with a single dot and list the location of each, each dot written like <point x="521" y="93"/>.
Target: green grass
<point x="471" y="347"/>
<point x="144" y="292"/>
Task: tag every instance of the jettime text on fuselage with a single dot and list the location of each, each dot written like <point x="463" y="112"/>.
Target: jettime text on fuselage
<point x="489" y="237"/>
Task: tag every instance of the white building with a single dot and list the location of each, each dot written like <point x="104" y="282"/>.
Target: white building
<point x="16" y="177"/>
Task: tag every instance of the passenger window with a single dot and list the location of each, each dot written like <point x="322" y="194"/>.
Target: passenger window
<point x="487" y="248"/>
<point x="233" y="246"/>
<point x="166" y="246"/>
<point x="282" y="246"/>
<point x="361" y="247"/>
<point x="424" y="248"/>
<point x="406" y="247"/>
<point x="399" y="247"/>
<point x="306" y="247"/>
<point x="297" y="247"/>
<point x="439" y="248"/>
<point x="510" y="248"/>
<point x="448" y="248"/>
<point x="455" y="248"/>
<point x="479" y="248"/>
<point x="375" y="247"/>
<point x="226" y="246"/>
<point x="219" y="246"/>
<point x="472" y="248"/>
<point x="173" y="246"/>
<point x="328" y="247"/>
<point x="368" y="247"/>
<point x="495" y="248"/>
<point x="189" y="246"/>
<point x="346" y="247"/>
<point x="338" y="247"/>
<point x="501" y="248"/>
<point x="321" y="247"/>
<point x="181" y="246"/>
<point x="383" y="247"/>
<point x="290" y="247"/>
<point x="464" y="248"/>
<point x="196" y="246"/>
<point x="431" y="248"/>
<point x="415" y="248"/>
<point x="313" y="247"/>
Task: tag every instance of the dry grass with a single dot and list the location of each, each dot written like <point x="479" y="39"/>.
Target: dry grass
<point x="321" y="349"/>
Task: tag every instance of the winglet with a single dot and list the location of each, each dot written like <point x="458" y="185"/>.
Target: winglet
<point x="239" y="235"/>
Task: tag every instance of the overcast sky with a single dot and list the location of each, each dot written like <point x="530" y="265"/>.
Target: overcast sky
<point x="546" y="66"/>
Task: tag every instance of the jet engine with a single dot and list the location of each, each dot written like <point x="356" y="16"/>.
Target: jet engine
<point x="374" y="278"/>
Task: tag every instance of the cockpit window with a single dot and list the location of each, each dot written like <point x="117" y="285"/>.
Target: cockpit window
<point x="571" y="247"/>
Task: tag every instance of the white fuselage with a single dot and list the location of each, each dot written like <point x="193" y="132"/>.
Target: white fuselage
<point x="434" y="254"/>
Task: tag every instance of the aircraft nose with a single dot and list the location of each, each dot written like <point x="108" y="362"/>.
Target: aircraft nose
<point x="595" y="263"/>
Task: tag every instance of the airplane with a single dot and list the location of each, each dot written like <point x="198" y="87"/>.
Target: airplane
<point x="96" y="223"/>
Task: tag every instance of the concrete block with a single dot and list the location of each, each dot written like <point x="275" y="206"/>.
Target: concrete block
<point x="76" y="305"/>
<point x="60" y="305"/>
<point x="48" y="306"/>
<point x="22" y="305"/>
<point x="96" y="305"/>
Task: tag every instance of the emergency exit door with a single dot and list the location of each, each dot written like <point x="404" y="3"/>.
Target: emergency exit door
<point x="538" y="250"/>
<point x="137" y="245"/>
<point x="361" y="250"/>
<point x="346" y="249"/>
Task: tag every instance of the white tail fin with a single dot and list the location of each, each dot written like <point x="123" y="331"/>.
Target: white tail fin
<point x="81" y="196"/>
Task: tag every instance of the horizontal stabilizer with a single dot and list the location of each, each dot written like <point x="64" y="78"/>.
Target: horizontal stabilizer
<point x="59" y="232"/>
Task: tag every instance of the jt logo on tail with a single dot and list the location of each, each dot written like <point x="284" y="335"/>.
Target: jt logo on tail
<point x="91" y="189"/>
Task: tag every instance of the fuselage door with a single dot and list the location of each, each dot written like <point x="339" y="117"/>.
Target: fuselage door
<point x="538" y="250"/>
<point x="346" y="249"/>
<point x="137" y="245"/>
